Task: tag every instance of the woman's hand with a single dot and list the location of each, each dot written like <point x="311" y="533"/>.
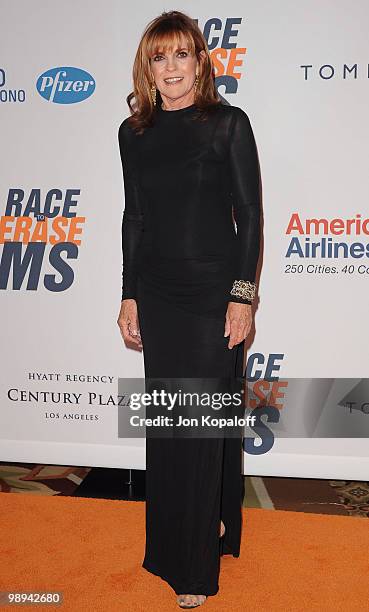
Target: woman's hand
<point x="128" y="322"/>
<point x="237" y="323"/>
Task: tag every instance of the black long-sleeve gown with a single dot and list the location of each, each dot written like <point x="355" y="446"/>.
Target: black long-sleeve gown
<point x="181" y="258"/>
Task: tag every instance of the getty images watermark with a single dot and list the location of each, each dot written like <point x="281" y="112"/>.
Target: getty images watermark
<point x="170" y="400"/>
<point x="277" y="408"/>
<point x="210" y="410"/>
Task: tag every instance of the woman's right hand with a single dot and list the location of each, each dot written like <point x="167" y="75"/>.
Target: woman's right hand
<point x="128" y="322"/>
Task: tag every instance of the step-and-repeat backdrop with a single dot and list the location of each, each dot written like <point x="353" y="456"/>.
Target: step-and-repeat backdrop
<point x="300" y="71"/>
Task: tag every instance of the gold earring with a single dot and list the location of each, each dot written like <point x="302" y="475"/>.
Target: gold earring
<point x="196" y="82"/>
<point x="153" y="93"/>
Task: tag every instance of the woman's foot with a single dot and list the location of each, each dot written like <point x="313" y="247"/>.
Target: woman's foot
<point x="193" y="601"/>
<point x="190" y="601"/>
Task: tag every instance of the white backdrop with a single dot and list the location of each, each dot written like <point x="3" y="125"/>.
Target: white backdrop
<point x="300" y="71"/>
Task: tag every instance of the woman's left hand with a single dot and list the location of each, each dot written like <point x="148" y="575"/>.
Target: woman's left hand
<point x="237" y="322"/>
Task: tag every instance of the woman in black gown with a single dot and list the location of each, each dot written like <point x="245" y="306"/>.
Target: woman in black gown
<point x="189" y="161"/>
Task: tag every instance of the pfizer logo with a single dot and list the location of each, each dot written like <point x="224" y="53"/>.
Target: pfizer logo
<point x="65" y="85"/>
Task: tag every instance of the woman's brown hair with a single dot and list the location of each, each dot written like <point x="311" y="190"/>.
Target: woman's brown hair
<point x="160" y="33"/>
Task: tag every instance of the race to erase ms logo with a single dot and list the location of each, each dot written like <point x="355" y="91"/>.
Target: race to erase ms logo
<point x="227" y="57"/>
<point x="40" y="235"/>
<point x="65" y="85"/>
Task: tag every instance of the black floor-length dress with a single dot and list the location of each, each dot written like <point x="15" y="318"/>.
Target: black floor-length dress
<point x="181" y="257"/>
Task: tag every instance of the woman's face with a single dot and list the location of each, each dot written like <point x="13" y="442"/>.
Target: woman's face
<point x="174" y="73"/>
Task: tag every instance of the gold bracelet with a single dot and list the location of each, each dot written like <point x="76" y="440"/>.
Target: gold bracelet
<point x="244" y="289"/>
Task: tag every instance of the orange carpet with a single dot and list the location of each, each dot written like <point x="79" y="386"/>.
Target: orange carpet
<point x="92" y="549"/>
